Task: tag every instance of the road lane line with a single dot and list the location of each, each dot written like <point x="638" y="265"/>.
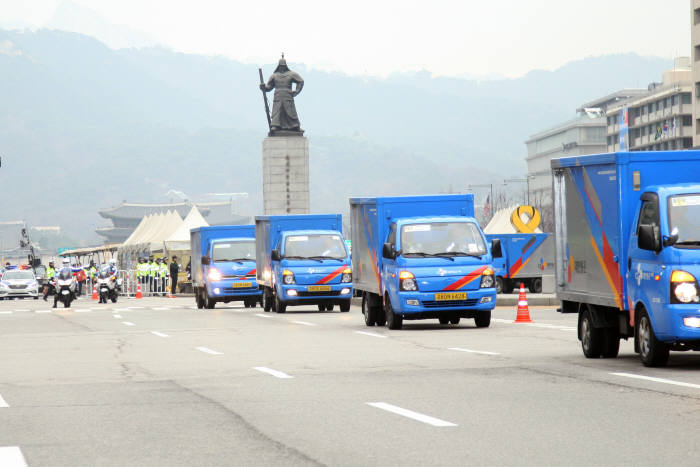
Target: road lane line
<point x="364" y="333"/>
<point x="120" y="309"/>
<point x="11" y="456"/>
<point x="161" y="308"/>
<point x="658" y="380"/>
<point x="499" y="320"/>
<point x="136" y="308"/>
<point x="82" y="310"/>
<point x="117" y="316"/>
<point x="128" y="323"/>
<point x="305" y="323"/>
<point x="5" y="312"/>
<point x="42" y="311"/>
<point x="482" y="352"/>
<point x="262" y="315"/>
<point x="275" y="373"/>
<point x="159" y="334"/>
<point x="208" y="350"/>
<point x="411" y="414"/>
<point x="22" y="311"/>
<point x="3" y="404"/>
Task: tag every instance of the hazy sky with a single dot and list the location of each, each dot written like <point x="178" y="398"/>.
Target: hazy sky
<point x="377" y="37"/>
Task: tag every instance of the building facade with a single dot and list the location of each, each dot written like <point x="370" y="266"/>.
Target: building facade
<point x="661" y="119"/>
<point x="695" y="64"/>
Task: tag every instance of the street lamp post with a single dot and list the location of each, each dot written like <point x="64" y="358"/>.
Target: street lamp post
<point x="526" y="180"/>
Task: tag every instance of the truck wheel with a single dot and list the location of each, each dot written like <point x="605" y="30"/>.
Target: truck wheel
<point x="507" y="286"/>
<point x="321" y="307"/>
<point x="279" y="306"/>
<point x="393" y="321"/>
<point x="535" y="285"/>
<point x="499" y="285"/>
<point x="345" y="306"/>
<point x="329" y="307"/>
<point x="455" y="320"/>
<point x="482" y="318"/>
<point x="199" y="300"/>
<point x="369" y="312"/>
<point x="444" y="319"/>
<point x="266" y="302"/>
<point x="611" y="342"/>
<point x="210" y="303"/>
<point x="652" y="351"/>
<point x="591" y="338"/>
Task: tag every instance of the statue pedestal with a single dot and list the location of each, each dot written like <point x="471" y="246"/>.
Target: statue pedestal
<point x="285" y="175"/>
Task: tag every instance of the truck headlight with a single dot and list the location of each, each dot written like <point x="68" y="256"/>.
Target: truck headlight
<point x="214" y="275"/>
<point x="288" y="277"/>
<point x="487" y="279"/>
<point x="407" y="281"/>
<point x="683" y="288"/>
<point x="347" y="275"/>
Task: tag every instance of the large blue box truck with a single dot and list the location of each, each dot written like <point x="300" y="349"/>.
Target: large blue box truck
<point x="303" y="260"/>
<point x="419" y="257"/>
<point x="627" y="243"/>
<point x="223" y="265"/>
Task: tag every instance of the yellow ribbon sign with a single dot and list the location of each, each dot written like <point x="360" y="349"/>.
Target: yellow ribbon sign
<point x="531" y="225"/>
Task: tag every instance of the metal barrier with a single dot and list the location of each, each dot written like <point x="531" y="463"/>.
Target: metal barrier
<point x="129" y="279"/>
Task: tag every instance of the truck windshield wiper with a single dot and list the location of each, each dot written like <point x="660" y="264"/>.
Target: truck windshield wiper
<point x="463" y="253"/>
<point x="303" y="257"/>
<point x="688" y="242"/>
<point x="321" y="257"/>
<point x="431" y="255"/>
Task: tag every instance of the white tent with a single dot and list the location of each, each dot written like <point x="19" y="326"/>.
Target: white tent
<point x="152" y="232"/>
<point x="500" y="223"/>
<point x="180" y="239"/>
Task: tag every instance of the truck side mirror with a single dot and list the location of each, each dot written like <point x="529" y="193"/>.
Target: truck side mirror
<point x="205" y="260"/>
<point x="496" y="250"/>
<point x="671" y="239"/>
<point x="388" y="251"/>
<point x="275" y="255"/>
<point x="648" y="238"/>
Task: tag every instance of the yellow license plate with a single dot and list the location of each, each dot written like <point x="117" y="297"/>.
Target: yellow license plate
<point x="242" y="285"/>
<point x="451" y="296"/>
<point x="319" y="288"/>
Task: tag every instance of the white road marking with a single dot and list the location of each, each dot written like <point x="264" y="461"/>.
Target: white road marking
<point x="3" y="404"/>
<point x="136" y="308"/>
<point x="5" y="312"/>
<point x="42" y="311"/>
<point x="373" y="334"/>
<point x="275" y="373"/>
<point x="499" y="320"/>
<point x="11" y="456"/>
<point x="159" y="334"/>
<point x="82" y="310"/>
<point x="411" y="414"/>
<point x="262" y="315"/>
<point x="658" y="380"/>
<point x="120" y="309"/>
<point x="482" y="352"/>
<point x="305" y="323"/>
<point x="117" y="316"/>
<point x="128" y="323"/>
<point x="22" y="311"/>
<point x="160" y="308"/>
<point x="208" y="350"/>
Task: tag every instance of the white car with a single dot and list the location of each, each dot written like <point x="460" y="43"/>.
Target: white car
<point x="18" y="283"/>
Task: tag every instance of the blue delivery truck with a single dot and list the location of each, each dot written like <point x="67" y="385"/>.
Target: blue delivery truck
<point x="526" y="258"/>
<point x="627" y="245"/>
<point x="418" y="257"/>
<point x="223" y="265"/>
<point x="303" y="260"/>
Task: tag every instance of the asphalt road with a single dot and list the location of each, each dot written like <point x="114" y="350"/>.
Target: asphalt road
<point x="155" y="382"/>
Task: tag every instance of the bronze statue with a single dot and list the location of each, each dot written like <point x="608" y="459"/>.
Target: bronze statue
<point x="284" y="118"/>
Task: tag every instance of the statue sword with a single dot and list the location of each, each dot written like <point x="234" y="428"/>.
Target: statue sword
<point x="267" y="107"/>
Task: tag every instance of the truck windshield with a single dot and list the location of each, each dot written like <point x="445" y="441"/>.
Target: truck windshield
<point x="317" y="246"/>
<point x="684" y="214"/>
<point x="442" y="239"/>
<point x="233" y="251"/>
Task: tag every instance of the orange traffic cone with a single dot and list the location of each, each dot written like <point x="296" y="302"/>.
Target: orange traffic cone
<point x="138" y="291"/>
<point x="94" y="292"/>
<point x="523" y="310"/>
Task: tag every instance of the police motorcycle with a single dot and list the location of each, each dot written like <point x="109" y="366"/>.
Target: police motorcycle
<point x="108" y="285"/>
<point x="65" y="285"/>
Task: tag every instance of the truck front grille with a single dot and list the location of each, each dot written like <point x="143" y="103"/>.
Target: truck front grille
<point x="331" y="293"/>
<point x="450" y="303"/>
